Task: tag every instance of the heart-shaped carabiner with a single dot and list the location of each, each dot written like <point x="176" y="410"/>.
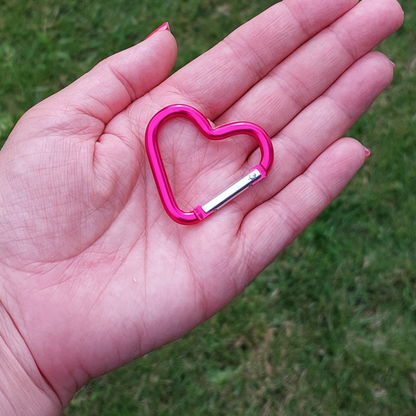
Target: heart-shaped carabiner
<point x="256" y="174"/>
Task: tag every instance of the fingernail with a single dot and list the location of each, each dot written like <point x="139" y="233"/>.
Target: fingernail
<point x="367" y="152"/>
<point x="165" y="26"/>
<point x="394" y="65"/>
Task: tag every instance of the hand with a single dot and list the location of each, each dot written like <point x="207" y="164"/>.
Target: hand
<point x="94" y="273"/>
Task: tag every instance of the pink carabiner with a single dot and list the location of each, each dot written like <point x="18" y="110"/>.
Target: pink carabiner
<point x="256" y="174"/>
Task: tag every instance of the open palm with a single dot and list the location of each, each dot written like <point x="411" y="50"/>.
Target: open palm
<point x="94" y="272"/>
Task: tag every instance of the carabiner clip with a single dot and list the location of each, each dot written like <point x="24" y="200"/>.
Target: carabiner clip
<point x="256" y="174"/>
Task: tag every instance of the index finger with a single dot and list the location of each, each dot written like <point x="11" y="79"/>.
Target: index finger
<point x="249" y="53"/>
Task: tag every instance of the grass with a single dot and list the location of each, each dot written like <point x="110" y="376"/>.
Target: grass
<point x="330" y="327"/>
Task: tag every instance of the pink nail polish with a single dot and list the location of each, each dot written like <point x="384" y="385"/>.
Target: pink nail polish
<point x="165" y="26"/>
<point x="394" y="65"/>
<point x="367" y="152"/>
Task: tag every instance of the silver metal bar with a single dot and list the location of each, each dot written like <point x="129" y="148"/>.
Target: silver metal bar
<point x="231" y="192"/>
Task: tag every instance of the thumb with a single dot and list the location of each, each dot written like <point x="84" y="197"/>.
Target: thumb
<point x="114" y="83"/>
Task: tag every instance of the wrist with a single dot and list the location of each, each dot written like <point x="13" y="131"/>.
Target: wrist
<point x="23" y="390"/>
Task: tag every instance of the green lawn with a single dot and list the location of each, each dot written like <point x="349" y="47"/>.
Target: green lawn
<point x="330" y="327"/>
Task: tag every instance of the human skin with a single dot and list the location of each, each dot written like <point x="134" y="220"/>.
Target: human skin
<point x="93" y="272"/>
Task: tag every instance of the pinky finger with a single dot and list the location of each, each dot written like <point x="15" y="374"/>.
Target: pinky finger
<point x="272" y="226"/>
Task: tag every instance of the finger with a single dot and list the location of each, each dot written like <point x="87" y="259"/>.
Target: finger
<point x="271" y="227"/>
<point x="213" y="82"/>
<point x="327" y="119"/>
<point x="318" y="126"/>
<point x="113" y="84"/>
<point x="315" y="66"/>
